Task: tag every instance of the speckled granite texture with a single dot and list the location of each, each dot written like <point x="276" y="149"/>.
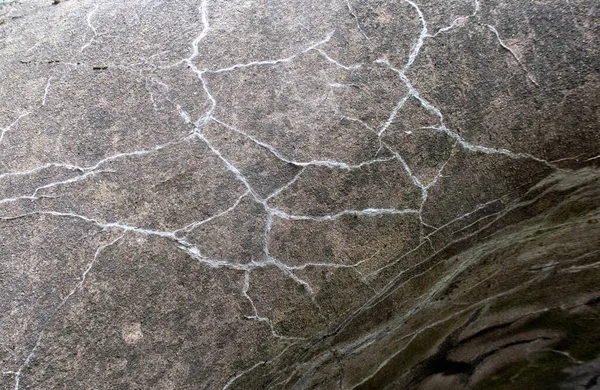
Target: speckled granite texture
<point x="299" y="194"/>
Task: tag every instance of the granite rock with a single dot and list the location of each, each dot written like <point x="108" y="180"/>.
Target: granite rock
<point x="228" y="194"/>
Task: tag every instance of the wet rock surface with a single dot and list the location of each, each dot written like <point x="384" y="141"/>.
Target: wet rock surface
<point x="299" y="195"/>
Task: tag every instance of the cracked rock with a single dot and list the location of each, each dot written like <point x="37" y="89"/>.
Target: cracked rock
<point x="210" y="194"/>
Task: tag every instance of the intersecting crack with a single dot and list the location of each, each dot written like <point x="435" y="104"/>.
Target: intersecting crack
<point x="272" y="213"/>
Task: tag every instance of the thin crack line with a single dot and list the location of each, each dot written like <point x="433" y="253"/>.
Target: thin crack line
<point x="89" y="23"/>
<point x="281" y="157"/>
<point x="313" y="46"/>
<point x="512" y="52"/>
<point x="356" y="19"/>
<point x="18" y="374"/>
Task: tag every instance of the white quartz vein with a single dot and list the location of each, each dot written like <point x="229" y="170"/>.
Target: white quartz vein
<point x="255" y="366"/>
<point x="280" y="156"/>
<point x="6" y="129"/>
<point x="258" y="317"/>
<point x="10" y="126"/>
<point x="356" y="19"/>
<point x="85" y="172"/>
<point x="194" y="225"/>
<point x="512" y="52"/>
<point x="393" y="114"/>
<point x="277" y="61"/>
<point x="336" y="63"/>
<point x="417" y="47"/>
<point x="458" y="21"/>
<point x="442" y="127"/>
<point x="46" y="90"/>
<point x="91" y="26"/>
<point x="333" y="217"/>
<point x="40" y="168"/>
<point x="286" y="186"/>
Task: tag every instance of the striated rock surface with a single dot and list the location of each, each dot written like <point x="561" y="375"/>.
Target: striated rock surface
<point x="262" y="194"/>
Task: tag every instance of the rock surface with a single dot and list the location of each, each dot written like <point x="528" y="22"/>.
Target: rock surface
<point x="310" y="194"/>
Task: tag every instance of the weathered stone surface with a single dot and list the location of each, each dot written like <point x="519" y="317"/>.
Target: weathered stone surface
<point x="299" y="195"/>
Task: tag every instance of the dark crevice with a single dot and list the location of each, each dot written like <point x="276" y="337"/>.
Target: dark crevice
<point x="592" y="382"/>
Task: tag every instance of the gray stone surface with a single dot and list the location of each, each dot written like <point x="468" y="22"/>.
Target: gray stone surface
<point x="311" y="194"/>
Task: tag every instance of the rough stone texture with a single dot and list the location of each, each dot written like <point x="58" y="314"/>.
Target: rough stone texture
<point x="311" y="194"/>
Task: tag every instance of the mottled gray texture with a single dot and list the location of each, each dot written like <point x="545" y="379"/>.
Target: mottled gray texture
<point x="306" y="194"/>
